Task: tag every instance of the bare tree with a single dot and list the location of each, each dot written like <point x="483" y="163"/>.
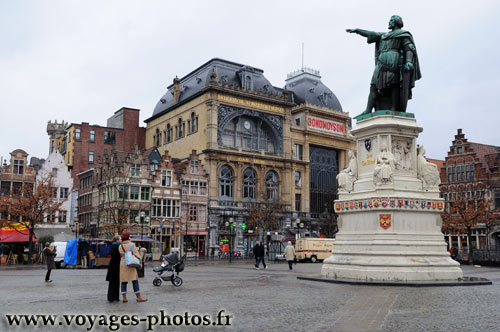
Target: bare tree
<point x="29" y="208"/>
<point x="464" y="215"/>
<point x="265" y="215"/>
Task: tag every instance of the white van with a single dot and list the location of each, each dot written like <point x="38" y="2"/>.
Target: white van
<point x="313" y="249"/>
<point x="60" y="251"/>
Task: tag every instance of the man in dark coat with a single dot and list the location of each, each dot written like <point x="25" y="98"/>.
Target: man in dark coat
<point x="49" y="257"/>
<point x="258" y="252"/>
<point x="113" y="275"/>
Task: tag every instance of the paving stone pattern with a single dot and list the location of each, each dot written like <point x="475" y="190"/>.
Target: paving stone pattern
<point x="259" y="300"/>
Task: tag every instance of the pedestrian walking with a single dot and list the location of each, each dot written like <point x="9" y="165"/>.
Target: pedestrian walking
<point x="113" y="275"/>
<point x="258" y="252"/>
<point x="91" y="258"/>
<point x="84" y="252"/>
<point x="49" y="254"/>
<point x="128" y="273"/>
<point x="290" y="254"/>
<point x="1" y="253"/>
<point x="143" y="252"/>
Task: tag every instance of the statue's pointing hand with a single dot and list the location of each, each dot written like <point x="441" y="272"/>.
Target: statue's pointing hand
<point x="350" y="30"/>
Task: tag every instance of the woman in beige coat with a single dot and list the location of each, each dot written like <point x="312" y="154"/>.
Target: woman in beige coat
<point x="290" y="254"/>
<point x="129" y="273"/>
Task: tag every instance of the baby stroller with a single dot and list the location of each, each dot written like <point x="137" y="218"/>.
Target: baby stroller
<point x="170" y="263"/>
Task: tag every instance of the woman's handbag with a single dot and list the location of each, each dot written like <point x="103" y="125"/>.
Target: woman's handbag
<point x="130" y="259"/>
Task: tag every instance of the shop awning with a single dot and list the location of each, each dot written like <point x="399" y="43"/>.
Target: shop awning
<point x="11" y="236"/>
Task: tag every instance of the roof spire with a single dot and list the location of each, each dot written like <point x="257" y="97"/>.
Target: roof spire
<point x="302" y="56"/>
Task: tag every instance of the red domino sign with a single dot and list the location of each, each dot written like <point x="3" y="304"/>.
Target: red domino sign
<point x="325" y="125"/>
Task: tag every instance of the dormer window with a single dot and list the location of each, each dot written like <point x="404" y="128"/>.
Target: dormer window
<point x="18" y="166"/>
<point x="248" y="83"/>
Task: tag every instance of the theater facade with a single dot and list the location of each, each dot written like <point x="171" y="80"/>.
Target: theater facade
<point x="270" y="152"/>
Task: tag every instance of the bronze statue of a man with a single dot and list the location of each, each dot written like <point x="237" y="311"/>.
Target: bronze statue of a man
<point x="396" y="67"/>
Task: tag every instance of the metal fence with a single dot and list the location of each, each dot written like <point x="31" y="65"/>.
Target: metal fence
<point x="483" y="257"/>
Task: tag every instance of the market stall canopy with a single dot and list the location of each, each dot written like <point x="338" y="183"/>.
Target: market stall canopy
<point x="11" y="236"/>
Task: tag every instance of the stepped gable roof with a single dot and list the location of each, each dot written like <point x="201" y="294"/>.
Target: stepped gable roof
<point x="306" y="87"/>
<point x="228" y="72"/>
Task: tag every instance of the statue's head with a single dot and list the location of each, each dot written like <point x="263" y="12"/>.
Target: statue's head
<point x="396" y="22"/>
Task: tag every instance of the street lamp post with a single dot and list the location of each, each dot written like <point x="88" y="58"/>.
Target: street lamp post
<point x="230" y="225"/>
<point x="296" y="225"/>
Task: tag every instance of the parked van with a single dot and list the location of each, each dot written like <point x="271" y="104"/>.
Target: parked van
<point x="60" y="251"/>
<point x="313" y="249"/>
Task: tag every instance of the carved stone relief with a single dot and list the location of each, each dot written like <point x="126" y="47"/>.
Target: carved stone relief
<point x="402" y="151"/>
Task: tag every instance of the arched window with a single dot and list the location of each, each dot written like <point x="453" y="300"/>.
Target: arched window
<point x="271" y="186"/>
<point x="169" y="133"/>
<point x="249" y="133"/>
<point x="181" y="130"/>
<point x="249" y="183"/>
<point x="194" y="126"/>
<point x="226" y="182"/>
<point x="248" y="83"/>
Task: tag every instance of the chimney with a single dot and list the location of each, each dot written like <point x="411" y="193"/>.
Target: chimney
<point x="177" y="89"/>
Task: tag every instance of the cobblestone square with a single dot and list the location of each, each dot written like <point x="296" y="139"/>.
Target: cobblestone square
<point x="258" y="300"/>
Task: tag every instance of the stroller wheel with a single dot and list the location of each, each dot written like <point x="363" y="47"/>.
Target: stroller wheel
<point x="157" y="282"/>
<point x="177" y="281"/>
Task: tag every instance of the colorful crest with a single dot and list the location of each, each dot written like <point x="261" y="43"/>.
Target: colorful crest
<point x="400" y="203"/>
<point x="434" y="204"/>
<point x="412" y="204"/>
<point x="440" y="205"/>
<point x="376" y="203"/>
<point x="392" y="203"/>
<point x="429" y="204"/>
<point x="337" y="207"/>
<point x="370" y="204"/>
<point x="385" y="220"/>
<point x="365" y="204"/>
<point x="385" y="203"/>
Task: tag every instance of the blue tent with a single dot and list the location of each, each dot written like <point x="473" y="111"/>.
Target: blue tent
<point x="71" y="252"/>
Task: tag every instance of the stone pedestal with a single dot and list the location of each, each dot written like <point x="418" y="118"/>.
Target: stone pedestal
<point x="389" y="224"/>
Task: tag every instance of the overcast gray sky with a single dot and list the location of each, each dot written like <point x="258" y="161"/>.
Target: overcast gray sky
<point x="83" y="60"/>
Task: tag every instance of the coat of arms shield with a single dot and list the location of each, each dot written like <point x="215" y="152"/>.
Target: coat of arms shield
<point x="368" y="144"/>
<point x="385" y="220"/>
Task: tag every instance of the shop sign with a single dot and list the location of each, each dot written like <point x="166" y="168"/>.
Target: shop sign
<point x="324" y="125"/>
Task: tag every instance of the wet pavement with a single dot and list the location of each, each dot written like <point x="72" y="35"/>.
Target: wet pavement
<point x="257" y="300"/>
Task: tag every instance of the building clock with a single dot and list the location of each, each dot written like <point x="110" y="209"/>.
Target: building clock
<point x="246" y="124"/>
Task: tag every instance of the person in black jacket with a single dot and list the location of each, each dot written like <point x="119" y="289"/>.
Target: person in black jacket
<point x="49" y="256"/>
<point x="113" y="275"/>
<point x="258" y="252"/>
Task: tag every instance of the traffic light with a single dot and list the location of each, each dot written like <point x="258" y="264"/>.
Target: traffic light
<point x="243" y="226"/>
<point x="232" y="226"/>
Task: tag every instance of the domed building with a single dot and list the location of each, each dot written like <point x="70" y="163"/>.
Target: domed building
<point x="272" y="154"/>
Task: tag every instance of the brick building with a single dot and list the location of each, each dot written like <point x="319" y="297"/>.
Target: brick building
<point x="194" y="204"/>
<point x="471" y="170"/>
<point x="18" y="175"/>
<point x="82" y="144"/>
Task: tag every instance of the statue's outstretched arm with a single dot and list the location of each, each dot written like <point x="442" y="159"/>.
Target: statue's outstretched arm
<point x="364" y="33"/>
